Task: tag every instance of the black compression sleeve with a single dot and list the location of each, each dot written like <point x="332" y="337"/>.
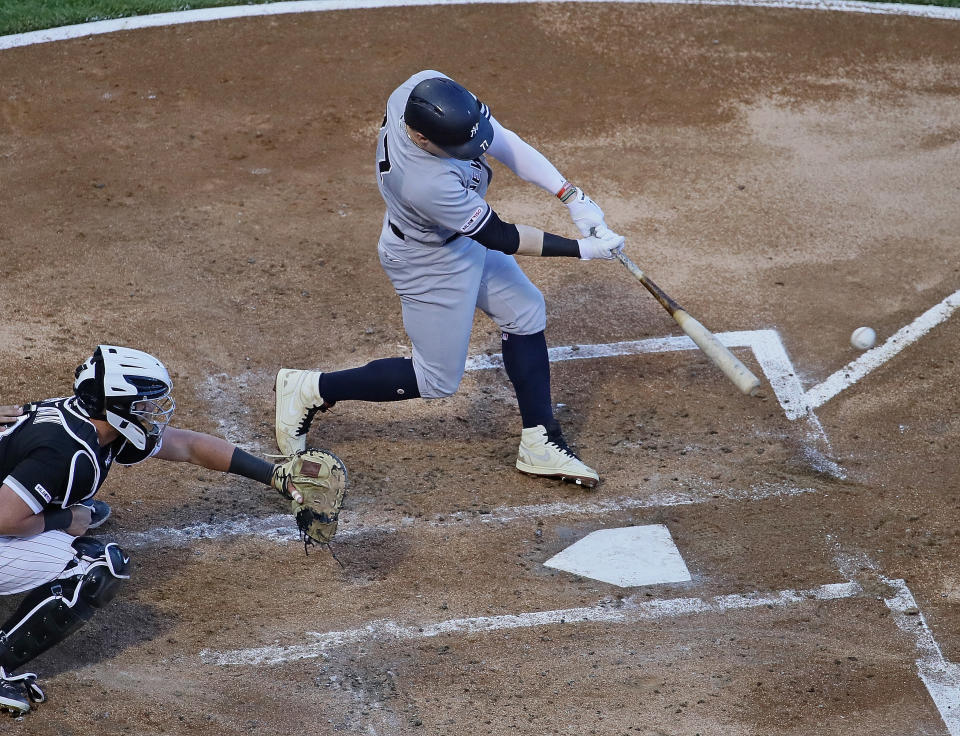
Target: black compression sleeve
<point x="59" y="519"/>
<point x="554" y="245"/>
<point x="245" y="464"/>
<point x="498" y="235"/>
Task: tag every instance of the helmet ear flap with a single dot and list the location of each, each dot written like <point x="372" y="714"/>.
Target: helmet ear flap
<point x="88" y="385"/>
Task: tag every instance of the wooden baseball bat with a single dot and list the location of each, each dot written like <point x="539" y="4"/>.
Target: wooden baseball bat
<point x="726" y="361"/>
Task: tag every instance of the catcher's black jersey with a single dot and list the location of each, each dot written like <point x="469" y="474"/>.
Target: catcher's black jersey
<point x="52" y="456"/>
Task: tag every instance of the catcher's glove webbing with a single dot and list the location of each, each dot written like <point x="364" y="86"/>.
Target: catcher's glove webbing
<point x="320" y="477"/>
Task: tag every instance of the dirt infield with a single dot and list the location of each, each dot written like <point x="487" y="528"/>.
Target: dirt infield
<point x="206" y="192"/>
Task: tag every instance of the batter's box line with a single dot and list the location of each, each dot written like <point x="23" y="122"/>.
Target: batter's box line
<point x="611" y="611"/>
<point x="766" y="345"/>
<point x="767" y="348"/>
<point x="278" y="527"/>
<point x="940" y="677"/>
<point x="770" y="353"/>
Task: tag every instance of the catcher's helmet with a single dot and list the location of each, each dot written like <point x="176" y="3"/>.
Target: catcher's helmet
<point x="450" y="116"/>
<point x="129" y="389"/>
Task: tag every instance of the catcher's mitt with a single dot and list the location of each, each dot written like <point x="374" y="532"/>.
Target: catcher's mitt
<point x="320" y="477"/>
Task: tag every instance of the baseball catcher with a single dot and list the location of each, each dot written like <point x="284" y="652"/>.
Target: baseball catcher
<point x="55" y="455"/>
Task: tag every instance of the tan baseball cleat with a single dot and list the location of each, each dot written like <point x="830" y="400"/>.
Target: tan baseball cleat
<point x="298" y="399"/>
<point x="545" y="453"/>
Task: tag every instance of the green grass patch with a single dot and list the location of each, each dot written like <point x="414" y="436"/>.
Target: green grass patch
<point x="20" y="16"/>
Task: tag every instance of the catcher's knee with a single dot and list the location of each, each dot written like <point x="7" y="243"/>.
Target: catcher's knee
<point x="51" y="612"/>
<point x="106" y="566"/>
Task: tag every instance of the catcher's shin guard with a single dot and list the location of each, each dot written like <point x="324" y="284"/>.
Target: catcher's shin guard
<point x="298" y="400"/>
<point x="51" y="612"/>
<point x="544" y="452"/>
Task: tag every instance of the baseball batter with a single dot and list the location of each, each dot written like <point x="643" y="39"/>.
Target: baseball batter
<point x="54" y="456"/>
<point x="447" y="253"/>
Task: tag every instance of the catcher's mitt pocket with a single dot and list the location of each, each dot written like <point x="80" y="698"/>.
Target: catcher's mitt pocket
<point x="321" y="479"/>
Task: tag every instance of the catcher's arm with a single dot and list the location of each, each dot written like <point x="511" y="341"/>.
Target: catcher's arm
<point x="215" y="453"/>
<point x="315" y="481"/>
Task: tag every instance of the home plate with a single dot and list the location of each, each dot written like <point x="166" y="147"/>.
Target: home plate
<point x="632" y="555"/>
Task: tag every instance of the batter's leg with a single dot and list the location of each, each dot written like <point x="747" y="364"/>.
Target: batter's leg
<point x="527" y="365"/>
<point x="514" y="303"/>
<point x="301" y="394"/>
<point x="438" y="293"/>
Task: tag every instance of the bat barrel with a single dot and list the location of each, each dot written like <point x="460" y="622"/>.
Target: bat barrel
<point x="732" y="367"/>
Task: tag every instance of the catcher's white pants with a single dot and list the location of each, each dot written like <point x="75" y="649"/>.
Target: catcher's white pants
<point x="26" y="562"/>
<point x="440" y="288"/>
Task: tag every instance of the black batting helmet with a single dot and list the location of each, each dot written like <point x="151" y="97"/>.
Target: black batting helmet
<point x="449" y="116"/>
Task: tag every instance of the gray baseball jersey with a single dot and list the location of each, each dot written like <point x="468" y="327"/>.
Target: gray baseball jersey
<point x="429" y="199"/>
<point x="434" y="204"/>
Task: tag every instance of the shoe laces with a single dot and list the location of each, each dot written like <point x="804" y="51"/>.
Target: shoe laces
<point x="307" y="419"/>
<point x="311" y="413"/>
<point x="555" y="437"/>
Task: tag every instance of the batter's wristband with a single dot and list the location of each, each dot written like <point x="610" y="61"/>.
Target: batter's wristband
<point x="566" y="192"/>
<point x="255" y="468"/>
<point x="55" y="520"/>
<point x="555" y="245"/>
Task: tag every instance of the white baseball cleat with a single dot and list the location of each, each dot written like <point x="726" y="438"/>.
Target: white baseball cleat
<point x="545" y="453"/>
<point x="298" y="399"/>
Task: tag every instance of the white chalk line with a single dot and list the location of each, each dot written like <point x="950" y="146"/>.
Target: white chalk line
<point x="770" y="353"/>
<point x="941" y="678"/>
<point x="81" y="30"/>
<point x="767" y="348"/>
<point x="766" y="345"/>
<point x="875" y="357"/>
<point x="281" y="529"/>
<point x="628" y="610"/>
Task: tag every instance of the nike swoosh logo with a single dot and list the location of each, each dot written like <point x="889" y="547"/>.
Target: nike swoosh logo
<point x="540" y="455"/>
<point x="291" y="409"/>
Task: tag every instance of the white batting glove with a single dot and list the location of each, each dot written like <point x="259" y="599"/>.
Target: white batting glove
<point x="584" y="212"/>
<point x="603" y="243"/>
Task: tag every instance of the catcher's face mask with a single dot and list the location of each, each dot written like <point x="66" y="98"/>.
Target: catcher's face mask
<point x="153" y="415"/>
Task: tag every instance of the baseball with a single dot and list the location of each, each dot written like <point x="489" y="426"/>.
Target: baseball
<point x="863" y="338"/>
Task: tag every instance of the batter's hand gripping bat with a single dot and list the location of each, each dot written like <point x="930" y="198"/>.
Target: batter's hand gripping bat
<point x="726" y="361"/>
